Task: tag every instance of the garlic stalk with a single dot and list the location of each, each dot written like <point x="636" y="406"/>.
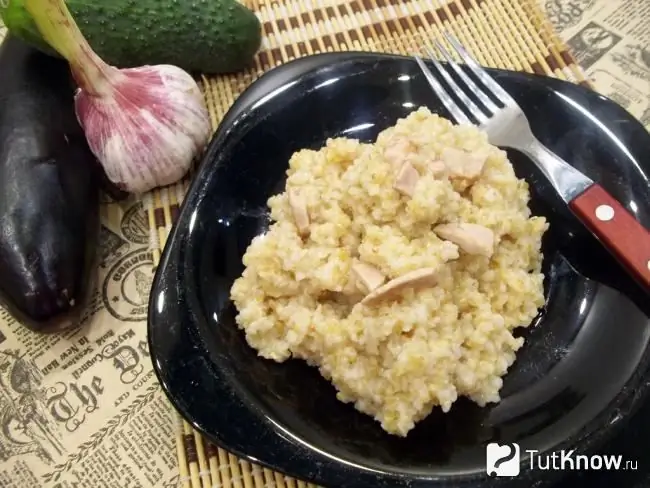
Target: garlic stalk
<point x="145" y="125"/>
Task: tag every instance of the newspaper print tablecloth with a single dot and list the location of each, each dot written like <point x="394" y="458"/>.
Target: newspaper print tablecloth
<point x="611" y="41"/>
<point x="83" y="409"/>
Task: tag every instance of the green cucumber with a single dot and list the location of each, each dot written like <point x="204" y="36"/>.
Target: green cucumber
<point x="199" y="36"/>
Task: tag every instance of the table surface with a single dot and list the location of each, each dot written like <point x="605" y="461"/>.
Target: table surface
<point x="114" y="427"/>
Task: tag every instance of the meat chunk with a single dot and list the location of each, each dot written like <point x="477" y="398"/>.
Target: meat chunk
<point x="461" y="164"/>
<point x="299" y="209"/>
<point x="369" y="276"/>
<point x="437" y="168"/>
<point x="406" y="179"/>
<point x="399" y="151"/>
<point x="419" y="278"/>
<point x="471" y="238"/>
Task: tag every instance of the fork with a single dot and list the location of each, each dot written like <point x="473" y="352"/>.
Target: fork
<point x="507" y="126"/>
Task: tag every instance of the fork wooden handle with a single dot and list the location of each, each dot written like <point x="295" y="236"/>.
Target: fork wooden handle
<point x="617" y="229"/>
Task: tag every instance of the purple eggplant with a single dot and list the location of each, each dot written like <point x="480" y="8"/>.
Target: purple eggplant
<point x="49" y="193"/>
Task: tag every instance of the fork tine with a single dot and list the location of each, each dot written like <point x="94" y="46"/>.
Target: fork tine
<point x="447" y="101"/>
<point x="485" y="100"/>
<point x="471" y="106"/>
<point x="489" y="82"/>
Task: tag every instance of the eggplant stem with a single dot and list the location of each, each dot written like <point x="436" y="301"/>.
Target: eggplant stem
<point x="59" y="29"/>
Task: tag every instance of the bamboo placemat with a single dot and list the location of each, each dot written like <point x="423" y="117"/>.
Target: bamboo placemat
<point x="511" y="34"/>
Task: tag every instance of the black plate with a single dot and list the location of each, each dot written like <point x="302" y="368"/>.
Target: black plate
<point x="582" y="368"/>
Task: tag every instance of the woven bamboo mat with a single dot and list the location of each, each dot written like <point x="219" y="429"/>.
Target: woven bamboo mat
<point x="511" y="34"/>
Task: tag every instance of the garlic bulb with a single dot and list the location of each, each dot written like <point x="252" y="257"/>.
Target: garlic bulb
<point x="145" y="125"/>
<point x="147" y="132"/>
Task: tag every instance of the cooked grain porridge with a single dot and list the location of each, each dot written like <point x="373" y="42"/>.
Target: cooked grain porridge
<point x="400" y="269"/>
